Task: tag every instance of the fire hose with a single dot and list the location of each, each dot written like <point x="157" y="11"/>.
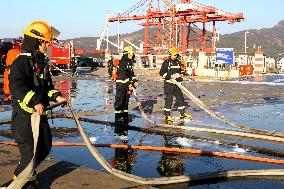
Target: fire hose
<point x="141" y="108"/>
<point x="176" y="179"/>
<point x="250" y="133"/>
<point x="27" y="173"/>
<point x="225" y="132"/>
<point x="169" y="150"/>
<point x="176" y="133"/>
<point x="210" y="112"/>
<point x="261" y="134"/>
<point x="152" y="181"/>
<point x="58" y="68"/>
<point x="165" y="180"/>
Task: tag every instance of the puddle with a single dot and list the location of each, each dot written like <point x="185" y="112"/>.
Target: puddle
<point x="275" y="80"/>
<point x="92" y="96"/>
<point x="265" y="116"/>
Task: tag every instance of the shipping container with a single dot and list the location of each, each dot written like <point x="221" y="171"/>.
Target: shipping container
<point x="79" y="51"/>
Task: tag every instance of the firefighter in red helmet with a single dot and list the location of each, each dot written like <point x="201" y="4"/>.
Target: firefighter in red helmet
<point x="32" y="89"/>
<point x="172" y="68"/>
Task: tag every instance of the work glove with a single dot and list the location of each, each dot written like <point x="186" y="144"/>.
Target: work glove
<point x="39" y="109"/>
<point x="61" y="99"/>
<point x="130" y="89"/>
<point x="135" y="85"/>
<point x="175" y="76"/>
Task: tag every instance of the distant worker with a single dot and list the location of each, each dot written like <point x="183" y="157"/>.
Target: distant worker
<point x="11" y="56"/>
<point x="32" y="89"/>
<point x="2" y="58"/>
<point x="73" y="66"/>
<point x="125" y="82"/>
<point x="110" y="66"/>
<point x="173" y="68"/>
<point x="1" y="47"/>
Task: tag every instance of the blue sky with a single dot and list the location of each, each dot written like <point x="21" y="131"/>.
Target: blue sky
<point x="85" y="18"/>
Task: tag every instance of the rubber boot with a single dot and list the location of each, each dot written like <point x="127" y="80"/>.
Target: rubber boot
<point x="185" y="116"/>
<point x="118" y="117"/>
<point x="31" y="185"/>
<point x="168" y="119"/>
<point x="126" y="117"/>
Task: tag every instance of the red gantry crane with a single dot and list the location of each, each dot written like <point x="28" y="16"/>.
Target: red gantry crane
<point x="176" y="24"/>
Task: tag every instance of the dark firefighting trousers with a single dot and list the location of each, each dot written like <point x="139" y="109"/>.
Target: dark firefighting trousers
<point x="22" y="131"/>
<point x="121" y="101"/>
<point x="170" y="91"/>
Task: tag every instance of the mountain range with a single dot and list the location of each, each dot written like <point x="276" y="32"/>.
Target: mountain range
<point x="269" y="40"/>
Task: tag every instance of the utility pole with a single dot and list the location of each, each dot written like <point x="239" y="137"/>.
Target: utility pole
<point x="215" y="38"/>
<point x="118" y="42"/>
<point x="246" y="41"/>
<point x="107" y="31"/>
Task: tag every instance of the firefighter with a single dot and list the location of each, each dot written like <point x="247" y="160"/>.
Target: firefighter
<point x="32" y="89"/>
<point x="73" y="66"/>
<point x="110" y="67"/>
<point x="172" y="68"/>
<point x="125" y="83"/>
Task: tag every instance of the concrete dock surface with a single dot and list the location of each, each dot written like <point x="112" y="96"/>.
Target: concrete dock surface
<point x="62" y="175"/>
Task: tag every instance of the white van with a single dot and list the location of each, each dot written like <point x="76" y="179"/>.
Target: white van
<point x="280" y="65"/>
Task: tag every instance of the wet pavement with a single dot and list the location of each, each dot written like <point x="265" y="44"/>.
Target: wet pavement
<point x="62" y="175"/>
<point x="95" y="95"/>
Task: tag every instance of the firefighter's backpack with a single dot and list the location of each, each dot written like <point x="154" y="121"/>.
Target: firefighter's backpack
<point x="11" y="56"/>
<point x="115" y="73"/>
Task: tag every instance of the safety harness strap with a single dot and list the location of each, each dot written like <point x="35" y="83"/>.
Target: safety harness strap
<point x="52" y="92"/>
<point x="28" y="96"/>
<point x="24" y="104"/>
<point x="122" y="81"/>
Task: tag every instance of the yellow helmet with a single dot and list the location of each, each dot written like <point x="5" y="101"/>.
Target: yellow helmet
<point x="128" y="50"/>
<point x="173" y="51"/>
<point x="41" y="30"/>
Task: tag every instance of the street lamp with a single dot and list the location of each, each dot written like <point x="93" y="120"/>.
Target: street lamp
<point x="246" y="41"/>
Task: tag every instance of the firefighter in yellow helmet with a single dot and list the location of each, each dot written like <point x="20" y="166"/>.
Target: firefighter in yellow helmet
<point x="32" y="89"/>
<point x="172" y="68"/>
<point x="125" y="82"/>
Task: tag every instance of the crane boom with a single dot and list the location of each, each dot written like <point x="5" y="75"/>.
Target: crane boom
<point x="182" y="23"/>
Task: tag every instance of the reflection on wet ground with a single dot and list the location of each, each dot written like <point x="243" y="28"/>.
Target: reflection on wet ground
<point x="265" y="79"/>
<point x="97" y="96"/>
